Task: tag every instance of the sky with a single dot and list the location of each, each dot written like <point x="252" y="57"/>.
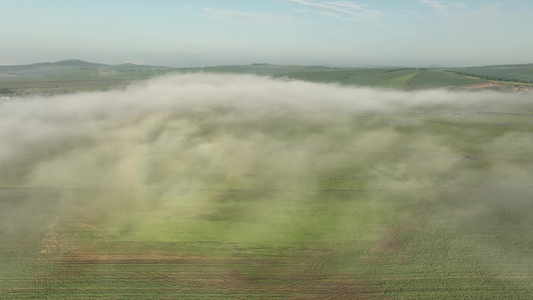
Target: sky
<point x="186" y="33"/>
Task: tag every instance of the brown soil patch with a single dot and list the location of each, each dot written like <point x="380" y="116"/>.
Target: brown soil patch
<point x="80" y="256"/>
<point x="485" y="85"/>
<point x="521" y="88"/>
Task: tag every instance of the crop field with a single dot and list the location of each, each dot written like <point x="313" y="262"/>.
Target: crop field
<point x="206" y="186"/>
<point x="395" y="78"/>
<point x="519" y="73"/>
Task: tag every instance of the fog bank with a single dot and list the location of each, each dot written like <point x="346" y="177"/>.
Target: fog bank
<point x="207" y="131"/>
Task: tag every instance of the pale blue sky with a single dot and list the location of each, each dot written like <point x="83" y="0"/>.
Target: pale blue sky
<point x="185" y="33"/>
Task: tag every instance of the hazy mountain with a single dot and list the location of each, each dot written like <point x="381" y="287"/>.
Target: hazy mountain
<point x="434" y="66"/>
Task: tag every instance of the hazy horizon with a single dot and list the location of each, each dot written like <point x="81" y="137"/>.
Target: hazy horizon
<point x="369" y="66"/>
<point x="360" y="33"/>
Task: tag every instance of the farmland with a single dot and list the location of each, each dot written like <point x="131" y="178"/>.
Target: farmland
<point x="74" y="76"/>
<point x="248" y="187"/>
<point x="517" y="73"/>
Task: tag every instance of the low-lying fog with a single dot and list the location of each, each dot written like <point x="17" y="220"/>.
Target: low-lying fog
<point x="203" y="131"/>
<point x="173" y="141"/>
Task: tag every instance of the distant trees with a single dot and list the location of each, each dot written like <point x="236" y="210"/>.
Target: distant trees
<point x="6" y="91"/>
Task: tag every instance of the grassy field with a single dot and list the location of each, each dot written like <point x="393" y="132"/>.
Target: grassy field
<point x="430" y="200"/>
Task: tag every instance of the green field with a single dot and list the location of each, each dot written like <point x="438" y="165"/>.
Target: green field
<point x="427" y="196"/>
<point x="515" y="73"/>
<point x="73" y="76"/>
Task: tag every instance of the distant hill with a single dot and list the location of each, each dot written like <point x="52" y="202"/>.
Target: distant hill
<point x="76" y="63"/>
<point x="374" y="67"/>
<point x="66" y="67"/>
<point x="76" y="66"/>
<point x="434" y="66"/>
<point x="262" y="69"/>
